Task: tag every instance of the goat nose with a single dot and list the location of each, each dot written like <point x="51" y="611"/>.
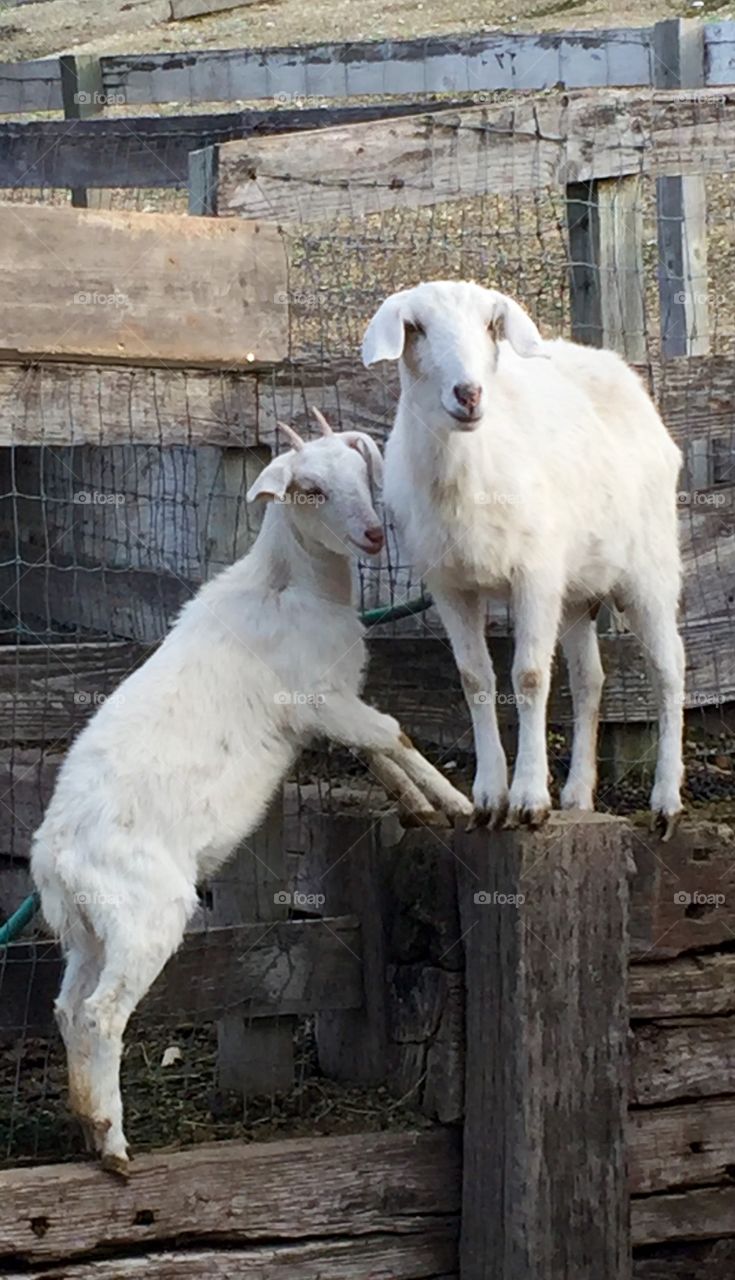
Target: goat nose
<point x="375" y="536"/>
<point x="468" y="394"/>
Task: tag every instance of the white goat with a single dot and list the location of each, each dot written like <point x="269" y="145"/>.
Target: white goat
<point x="178" y="766"/>
<point x="551" y="481"/>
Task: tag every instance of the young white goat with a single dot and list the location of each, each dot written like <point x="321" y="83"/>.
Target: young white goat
<point x="178" y="766"/>
<point x="538" y="471"/>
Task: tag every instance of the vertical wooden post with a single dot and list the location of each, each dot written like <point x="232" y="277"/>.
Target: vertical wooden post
<point x="545" y="926"/>
<point x="82" y="97"/>
<point x="255" y="1056"/>
<point x="345" y="853"/>
<point x="203" y="177"/>
<point x="605" y="221"/>
<point x="681" y="203"/>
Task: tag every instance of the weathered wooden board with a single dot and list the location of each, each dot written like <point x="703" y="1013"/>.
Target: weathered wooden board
<point x="63" y="403"/>
<point x="678" y="890"/>
<point x="711" y="1260"/>
<point x="680" y="1146"/>
<point x="364" y="1184"/>
<point x="292" y="966"/>
<point x="153" y="151"/>
<point x="697" y="984"/>
<point x="27" y="780"/>
<point x="30" y="86"/>
<point x="685" y="1058"/>
<point x="87" y="284"/>
<point x="476" y="63"/>
<point x="427" y="1256"/>
<point x="705" y="1213"/>
<point x="719" y="43"/>
<point x="545" y="925"/>
<point x="508" y="149"/>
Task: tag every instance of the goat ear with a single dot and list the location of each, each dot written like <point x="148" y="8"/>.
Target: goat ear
<point x="385" y="335"/>
<point x="367" y="447"/>
<point x="273" y="481"/>
<point x="519" y="328"/>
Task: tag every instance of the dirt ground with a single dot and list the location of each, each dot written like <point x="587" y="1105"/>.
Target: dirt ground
<point x="143" y="26"/>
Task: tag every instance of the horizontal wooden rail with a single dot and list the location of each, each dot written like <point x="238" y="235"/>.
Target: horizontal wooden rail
<point x="288" y="967"/>
<point x="258" y="1196"/>
<point x="460" y="63"/>
<point x="153" y="151"/>
<point x="519" y="146"/>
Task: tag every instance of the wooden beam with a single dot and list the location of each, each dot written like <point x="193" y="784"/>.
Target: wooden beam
<point x="681" y="1146"/>
<point x="475" y="63"/>
<point x="30" y="86"/>
<point x="688" y="1058"/>
<point x="704" y="1260"/>
<point x="507" y="149"/>
<point x="82" y="98"/>
<point x="259" y="1193"/>
<point x="544" y="919"/>
<point x="294" y="967"/>
<point x="697" y="984"/>
<point x="605" y="220"/>
<point x="676" y="894"/>
<point x="719" y="46"/>
<point x="140" y="287"/>
<point x="428" y="1256"/>
<point x="681" y="205"/>
<point x="702" y="1214"/>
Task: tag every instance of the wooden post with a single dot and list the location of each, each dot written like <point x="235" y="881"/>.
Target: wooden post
<point x="345" y="854"/>
<point x="203" y="176"/>
<point x="83" y="97"/>
<point x="605" y="221"/>
<point x="545" y="925"/>
<point x="681" y="202"/>
<point x="255" y="1056"/>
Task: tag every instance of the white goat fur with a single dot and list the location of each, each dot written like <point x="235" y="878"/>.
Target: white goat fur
<point x="178" y="766"/>
<point x="553" y="485"/>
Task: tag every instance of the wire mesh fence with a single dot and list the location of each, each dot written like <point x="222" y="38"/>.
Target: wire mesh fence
<point x="102" y="543"/>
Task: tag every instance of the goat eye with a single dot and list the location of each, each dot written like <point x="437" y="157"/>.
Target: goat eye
<point x="413" y="327"/>
<point x="314" y="491"/>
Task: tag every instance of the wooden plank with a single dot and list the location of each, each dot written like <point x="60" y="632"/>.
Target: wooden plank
<point x="253" y="886"/>
<point x="681" y="205"/>
<point x="435" y="64"/>
<point x="30" y="86"/>
<point x="681" y="1146"/>
<point x="677" y="891"/>
<point x="27" y="779"/>
<point x="702" y="1214"/>
<point x="153" y="151"/>
<point x="140" y="287"/>
<point x="259" y="1193"/>
<point x="689" y="1058"/>
<point x="697" y="984"/>
<point x="605" y="221"/>
<point x="293" y="966"/>
<point x="376" y="1257"/>
<point x="82" y="98"/>
<point x="346" y="855"/>
<point x="504" y="149"/>
<point x="203" y="166"/>
<point x="719" y="45"/>
<point x="712" y="1260"/>
<point x="544" y="919"/>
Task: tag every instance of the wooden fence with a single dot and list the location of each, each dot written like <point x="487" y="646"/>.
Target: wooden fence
<point x="468" y="975"/>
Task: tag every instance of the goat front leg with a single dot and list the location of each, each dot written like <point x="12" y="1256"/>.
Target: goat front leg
<point x="463" y="616"/>
<point x="537" y="605"/>
<point x="349" y="720"/>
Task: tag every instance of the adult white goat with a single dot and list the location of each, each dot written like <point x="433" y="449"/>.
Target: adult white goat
<point x="178" y="766"/>
<point x="538" y="471"/>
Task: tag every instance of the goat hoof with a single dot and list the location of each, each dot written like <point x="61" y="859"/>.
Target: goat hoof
<point x="521" y="816"/>
<point x="492" y="818"/>
<point x="119" y="1165"/>
<point x="665" y="825"/>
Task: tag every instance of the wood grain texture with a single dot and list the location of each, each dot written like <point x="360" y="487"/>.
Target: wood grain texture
<point x="681" y="1146"/>
<point x="298" y="1190"/>
<point x="144" y="287"/>
<point x="544" y="1166"/>
<point x="685" y="1058"/>
<point x="376" y="1257"/>
<point x="711" y="1260"/>
<point x="697" y="984"/>
<point x="701" y="1214"/>
<point x="671" y="911"/>
<point x="243" y="971"/>
<point x="501" y="150"/>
